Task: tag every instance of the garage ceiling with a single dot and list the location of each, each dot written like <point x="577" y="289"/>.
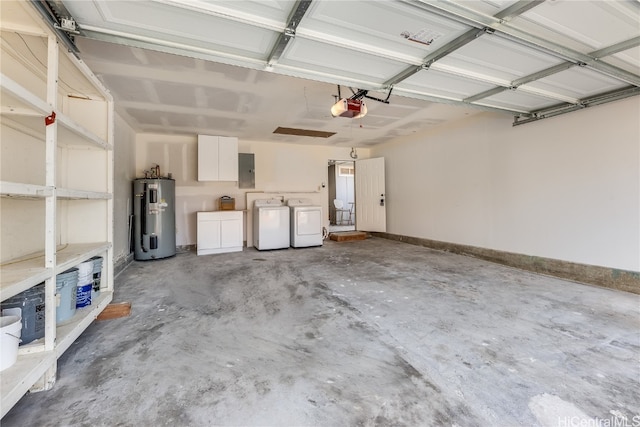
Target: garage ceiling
<point x="248" y="67"/>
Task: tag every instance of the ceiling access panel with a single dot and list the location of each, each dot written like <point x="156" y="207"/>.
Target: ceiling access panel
<point x="173" y="27"/>
<point x="496" y="59"/>
<point x="516" y="100"/>
<point x="576" y="83"/>
<point x="582" y="25"/>
<point x="330" y="63"/>
<point x="388" y="29"/>
<point x="436" y="83"/>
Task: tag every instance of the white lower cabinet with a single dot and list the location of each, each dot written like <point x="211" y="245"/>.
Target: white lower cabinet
<point x="219" y="232"/>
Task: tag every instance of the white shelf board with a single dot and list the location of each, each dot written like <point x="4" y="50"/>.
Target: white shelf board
<point x="72" y="133"/>
<point x="68" y="332"/>
<point x="27" y="124"/>
<point x="33" y="191"/>
<point x="21" y="274"/>
<point x="35" y="346"/>
<point x="20" y="377"/>
<point x="29" y="111"/>
<point x="74" y="253"/>
<point x="71" y="194"/>
<point x="16" y="99"/>
<point x="18" y="189"/>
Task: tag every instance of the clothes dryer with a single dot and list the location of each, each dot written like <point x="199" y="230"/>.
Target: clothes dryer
<point x="270" y="224"/>
<point x="306" y="223"/>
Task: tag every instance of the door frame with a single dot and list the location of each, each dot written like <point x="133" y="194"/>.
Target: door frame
<point x="331" y="192"/>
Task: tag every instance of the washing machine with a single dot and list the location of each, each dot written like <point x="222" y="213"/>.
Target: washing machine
<point x="270" y="224"/>
<point x="306" y="223"/>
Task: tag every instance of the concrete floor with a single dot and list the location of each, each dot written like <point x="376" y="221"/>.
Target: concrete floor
<point x="362" y="333"/>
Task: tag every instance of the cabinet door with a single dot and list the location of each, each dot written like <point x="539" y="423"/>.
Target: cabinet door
<point x="208" y="158"/>
<point x="228" y="158"/>
<point x="230" y="233"/>
<point x="208" y="234"/>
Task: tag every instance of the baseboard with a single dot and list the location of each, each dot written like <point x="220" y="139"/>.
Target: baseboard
<point x="121" y="263"/>
<point x="185" y="248"/>
<point x="623" y="280"/>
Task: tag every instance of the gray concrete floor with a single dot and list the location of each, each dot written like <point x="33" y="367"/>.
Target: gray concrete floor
<point x="362" y="333"/>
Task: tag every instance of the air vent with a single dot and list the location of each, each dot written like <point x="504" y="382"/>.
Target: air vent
<point x="303" y="132"/>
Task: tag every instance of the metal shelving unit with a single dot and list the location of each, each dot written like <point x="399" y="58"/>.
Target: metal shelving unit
<point x="49" y="135"/>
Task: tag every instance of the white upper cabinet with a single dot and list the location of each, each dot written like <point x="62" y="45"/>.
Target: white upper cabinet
<point x="217" y="158"/>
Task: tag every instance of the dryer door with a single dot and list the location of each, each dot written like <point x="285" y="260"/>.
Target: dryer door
<point x="308" y="222"/>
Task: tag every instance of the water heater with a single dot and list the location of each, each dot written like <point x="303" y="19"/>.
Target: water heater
<point x="154" y="218"/>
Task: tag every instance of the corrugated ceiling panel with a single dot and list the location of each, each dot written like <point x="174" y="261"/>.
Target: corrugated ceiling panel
<point x="340" y="61"/>
<point x="275" y="10"/>
<point x="496" y="57"/>
<point x="628" y="60"/>
<point x="577" y="83"/>
<point x="432" y="82"/>
<point x="599" y="23"/>
<point x="488" y="7"/>
<point x="380" y="25"/>
<point x="183" y="26"/>
<point x="517" y="100"/>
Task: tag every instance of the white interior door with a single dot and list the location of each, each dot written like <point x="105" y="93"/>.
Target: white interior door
<point x="370" y="195"/>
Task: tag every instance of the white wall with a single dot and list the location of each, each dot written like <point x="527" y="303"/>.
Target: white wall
<point x="123" y="174"/>
<point x="280" y="168"/>
<point x="566" y="187"/>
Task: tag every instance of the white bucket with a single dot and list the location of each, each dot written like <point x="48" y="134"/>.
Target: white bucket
<point x="85" y="269"/>
<point x="10" y="327"/>
<point x="85" y="285"/>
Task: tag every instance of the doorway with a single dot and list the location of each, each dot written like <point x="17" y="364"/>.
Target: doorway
<point x="341" y="186"/>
